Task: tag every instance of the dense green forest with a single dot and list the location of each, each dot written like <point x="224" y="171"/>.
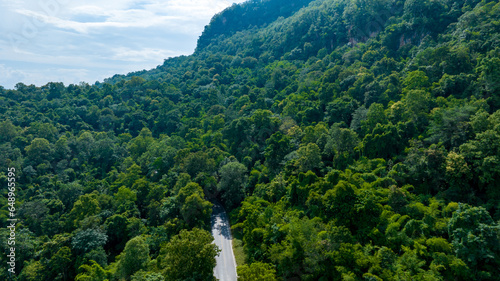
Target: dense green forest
<point x="348" y="140"/>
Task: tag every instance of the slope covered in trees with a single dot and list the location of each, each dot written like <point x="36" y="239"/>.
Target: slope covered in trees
<point x="350" y="139"/>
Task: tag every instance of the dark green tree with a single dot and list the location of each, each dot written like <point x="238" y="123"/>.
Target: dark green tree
<point x="190" y="255"/>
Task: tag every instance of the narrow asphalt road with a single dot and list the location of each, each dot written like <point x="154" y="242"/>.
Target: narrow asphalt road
<point x="225" y="270"/>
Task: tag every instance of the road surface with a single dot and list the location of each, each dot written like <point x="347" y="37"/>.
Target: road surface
<point x="225" y="270"/>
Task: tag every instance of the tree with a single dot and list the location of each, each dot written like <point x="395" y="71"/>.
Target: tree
<point x="61" y="148"/>
<point x="385" y="141"/>
<point x="88" y="239"/>
<point x="39" y="151"/>
<point x="263" y="125"/>
<point x="190" y="255"/>
<point x="457" y="171"/>
<point x="198" y="162"/>
<point x="476" y="240"/>
<point x="417" y="104"/>
<point x="134" y="257"/>
<point x="339" y="202"/>
<point x="451" y="126"/>
<point x="33" y="271"/>
<point x="197" y="211"/>
<point x="7" y="131"/>
<point x="116" y="229"/>
<point x="61" y="263"/>
<point x="340" y="146"/>
<point x="374" y="116"/>
<point x="85" y="145"/>
<point x="232" y="183"/>
<point x="309" y="158"/>
<point x="278" y="146"/>
<point x="358" y="116"/>
<point x="69" y="193"/>
<point x="34" y="212"/>
<point x="98" y="255"/>
<point x="416" y="80"/>
<point x="483" y="155"/>
<point x="104" y="152"/>
<point x="490" y="71"/>
<point x="256" y="271"/>
<point x="86" y="206"/>
<point x="56" y="90"/>
<point x="43" y="130"/>
<point x="341" y="110"/>
<point x="125" y="200"/>
<point x="140" y="144"/>
<point x="142" y="275"/>
<point x="187" y="190"/>
<point x="92" y="272"/>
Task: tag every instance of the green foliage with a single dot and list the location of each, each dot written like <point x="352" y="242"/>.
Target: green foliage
<point x="89" y="239"/>
<point x="147" y="276"/>
<point x="475" y="238"/>
<point x="38" y="151"/>
<point x="339" y="202"/>
<point x="309" y="158"/>
<point x="7" y="131"/>
<point x="256" y="271"/>
<point x="278" y="146"/>
<point x="190" y="255"/>
<point x="92" y="272"/>
<point x="134" y="257"/>
<point x="61" y="263"/>
<point x="232" y="184"/>
<point x="196" y="211"/>
<point x="341" y="135"/>
<point x="86" y="205"/>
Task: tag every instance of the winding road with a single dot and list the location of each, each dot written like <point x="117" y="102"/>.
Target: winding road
<point x="225" y="270"/>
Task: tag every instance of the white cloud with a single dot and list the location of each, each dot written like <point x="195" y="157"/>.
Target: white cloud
<point x="41" y="76"/>
<point x="7" y="74"/>
<point x="121" y="19"/>
<point x="85" y="39"/>
<point x="127" y="54"/>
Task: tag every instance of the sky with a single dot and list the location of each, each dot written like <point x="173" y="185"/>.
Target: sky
<point x="73" y="41"/>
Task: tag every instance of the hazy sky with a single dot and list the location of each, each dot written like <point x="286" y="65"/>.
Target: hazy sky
<point x="88" y="40"/>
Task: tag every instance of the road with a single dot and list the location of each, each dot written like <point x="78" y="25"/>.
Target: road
<point x="225" y="270"/>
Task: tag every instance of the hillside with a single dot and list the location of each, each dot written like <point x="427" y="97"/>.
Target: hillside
<point x="348" y="140"/>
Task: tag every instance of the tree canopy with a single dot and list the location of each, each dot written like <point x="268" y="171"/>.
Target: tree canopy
<point x="347" y="139"/>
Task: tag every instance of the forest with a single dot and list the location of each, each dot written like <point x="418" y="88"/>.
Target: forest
<point x="347" y="139"/>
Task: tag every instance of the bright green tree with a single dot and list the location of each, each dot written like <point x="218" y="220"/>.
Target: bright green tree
<point x="7" y="131"/>
<point x="190" y="255"/>
<point x="309" y="157"/>
<point x="86" y="206"/>
<point x="134" y="257"/>
<point x="339" y="202"/>
<point x="61" y="263"/>
<point x="476" y="240"/>
<point x="196" y="211"/>
<point x="256" y="271"/>
<point x="38" y="151"/>
<point x="92" y="272"/>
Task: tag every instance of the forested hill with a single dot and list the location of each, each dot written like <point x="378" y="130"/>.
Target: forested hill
<point x="348" y="140"/>
<point x="256" y="13"/>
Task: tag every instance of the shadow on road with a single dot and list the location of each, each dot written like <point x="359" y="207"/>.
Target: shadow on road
<point x="225" y="269"/>
<point x="220" y="221"/>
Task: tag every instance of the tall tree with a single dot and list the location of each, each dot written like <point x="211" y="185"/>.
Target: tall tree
<point x="190" y="255"/>
<point x="134" y="257"/>
<point x="232" y="183"/>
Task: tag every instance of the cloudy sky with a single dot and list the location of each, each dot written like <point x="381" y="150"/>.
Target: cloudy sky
<point x="72" y="41"/>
